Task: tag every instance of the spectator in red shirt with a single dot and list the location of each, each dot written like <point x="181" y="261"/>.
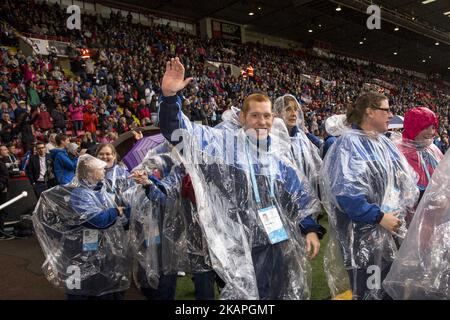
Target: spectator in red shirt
<point x="41" y="118"/>
<point x="143" y="110"/>
<point x="90" y="120"/>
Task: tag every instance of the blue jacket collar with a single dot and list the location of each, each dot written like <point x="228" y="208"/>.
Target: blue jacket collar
<point x="95" y="187"/>
<point x="294" y="131"/>
<point x="355" y="126"/>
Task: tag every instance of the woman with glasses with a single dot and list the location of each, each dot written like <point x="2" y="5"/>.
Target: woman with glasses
<point x="367" y="189"/>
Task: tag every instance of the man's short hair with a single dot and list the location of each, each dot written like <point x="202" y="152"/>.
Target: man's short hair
<point x="60" y="138"/>
<point x="258" y="97"/>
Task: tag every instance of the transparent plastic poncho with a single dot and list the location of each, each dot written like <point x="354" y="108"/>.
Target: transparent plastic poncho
<point x="336" y="125"/>
<point x="181" y="225"/>
<point x="145" y="236"/>
<point x="230" y="120"/>
<point x="219" y="163"/>
<point x="305" y="153"/>
<point x="423" y="157"/>
<point x="118" y="182"/>
<point x="421" y="269"/>
<point x="363" y="172"/>
<point x="281" y="103"/>
<point x="158" y="221"/>
<point x="80" y="256"/>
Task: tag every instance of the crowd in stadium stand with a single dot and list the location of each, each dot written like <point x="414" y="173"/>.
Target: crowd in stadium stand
<point x="117" y="89"/>
<point x="121" y="73"/>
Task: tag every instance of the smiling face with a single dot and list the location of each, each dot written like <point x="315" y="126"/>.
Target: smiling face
<point x="108" y="155"/>
<point x="426" y="135"/>
<point x="258" y="118"/>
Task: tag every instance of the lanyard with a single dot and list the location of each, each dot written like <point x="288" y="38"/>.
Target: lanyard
<point x="432" y="159"/>
<point x="424" y="166"/>
<point x="253" y="177"/>
<point x="113" y="179"/>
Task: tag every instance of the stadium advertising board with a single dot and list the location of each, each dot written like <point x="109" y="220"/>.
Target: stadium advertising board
<point x="224" y="30"/>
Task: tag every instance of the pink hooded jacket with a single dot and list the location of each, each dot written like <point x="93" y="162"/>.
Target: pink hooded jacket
<point x="76" y="112"/>
<point x="423" y="159"/>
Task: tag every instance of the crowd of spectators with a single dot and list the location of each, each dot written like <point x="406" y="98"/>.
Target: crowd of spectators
<point x="117" y="89"/>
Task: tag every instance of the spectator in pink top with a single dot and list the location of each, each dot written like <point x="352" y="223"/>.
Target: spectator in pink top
<point x="76" y="115"/>
<point x="28" y="74"/>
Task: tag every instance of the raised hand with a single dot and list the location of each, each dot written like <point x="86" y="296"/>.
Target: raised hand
<point x="140" y="177"/>
<point x="137" y="135"/>
<point x="173" y="80"/>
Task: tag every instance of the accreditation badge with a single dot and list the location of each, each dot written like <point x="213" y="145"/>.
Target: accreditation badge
<point x="273" y="225"/>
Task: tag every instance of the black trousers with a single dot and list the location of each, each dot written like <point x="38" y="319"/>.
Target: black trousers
<point x="270" y="264"/>
<point x="204" y="285"/>
<point x="359" y="281"/>
<point x="166" y="289"/>
<point x="39" y="187"/>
